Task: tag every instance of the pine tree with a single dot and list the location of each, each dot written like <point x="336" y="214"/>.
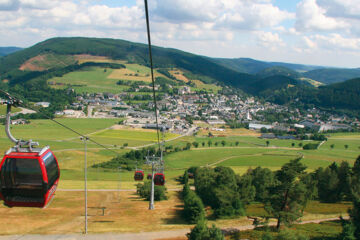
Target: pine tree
<point x="202" y="232"/>
<point x="287" y="198"/>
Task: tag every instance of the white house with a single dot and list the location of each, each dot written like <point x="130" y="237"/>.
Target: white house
<point x="42" y="104"/>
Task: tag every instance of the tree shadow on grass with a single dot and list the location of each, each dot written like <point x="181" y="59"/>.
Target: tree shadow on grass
<point x="177" y="217"/>
<point x="135" y="197"/>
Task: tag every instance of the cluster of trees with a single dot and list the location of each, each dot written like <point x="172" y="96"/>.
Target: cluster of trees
<point x="315" y="137"/>
<point x="310" y="146"/>
<point x="202" y="232"/>
<point x="219" y="188"/>
<point x="284" y="193"/>
<point x="166" y="73"/>
<point x="299" y="133"/>
<point x="144" y="191"/>
<point x="351" y="228"/>
<point x="193" y="206"/>
<point x="335" y="183"/>
<point x="236" y="124"/>
<point x="194" y="213"/>
<point x="130" y="159"/>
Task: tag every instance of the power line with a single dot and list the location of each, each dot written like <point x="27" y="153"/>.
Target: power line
<point x="19" y="102"/>
<point x="152" y="71"/>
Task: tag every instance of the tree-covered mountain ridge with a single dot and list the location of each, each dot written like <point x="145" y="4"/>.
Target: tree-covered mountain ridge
<point x="277" y="82"/>
<point x="230" y="71"/>
<point x="8" y="50"/>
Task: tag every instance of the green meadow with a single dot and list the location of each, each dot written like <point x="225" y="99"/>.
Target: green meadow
<point x="239" y="152"/>
<point x="250" y="152"/>
<point x="90" y="80"/>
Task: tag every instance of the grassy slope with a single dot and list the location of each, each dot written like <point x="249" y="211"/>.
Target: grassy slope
<point x="95" y="79"/>
<point x="91" y="80"/>
<point x="67" y="206"/>
<point x="131" y="52"/>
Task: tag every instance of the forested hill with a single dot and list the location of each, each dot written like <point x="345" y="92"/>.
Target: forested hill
<point x="332" y="75"/>
<point x="339" y="97"/>
<point x="131" y="52"/>
<point x="8" y="50"/>
<point x="277" y="82"/>
<point x="252" y="66"/>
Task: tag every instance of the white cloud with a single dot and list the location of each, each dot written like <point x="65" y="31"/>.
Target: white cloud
<point x="311" y="17"/>
<point x="337" y="42"/>
<point x="309" y="43"/>
<point x="269" y="40"/>
<point x="219" y="28"/>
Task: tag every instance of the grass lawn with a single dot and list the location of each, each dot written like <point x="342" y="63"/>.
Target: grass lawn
<point x="48" y="130"/>
<point x="13" y="109"/>
<point x="130" y="214"/>
<point x="124" y="212"/>
<point x="134" y="72"/>
<point x="134" y="134"/>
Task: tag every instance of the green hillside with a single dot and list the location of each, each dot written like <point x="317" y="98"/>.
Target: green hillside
<point x="57" y="59"/>
<point x="341" y="97"/>
<point x="278" y="71"/>
<point x="199" y="66"/>
<point x="8" y="50"/>
<point x="332" y="75"/>
<point x="252" y="66"/>
<point x="270" y="84"/>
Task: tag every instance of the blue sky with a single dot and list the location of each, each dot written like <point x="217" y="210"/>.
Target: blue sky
<point x="318" y="32"/>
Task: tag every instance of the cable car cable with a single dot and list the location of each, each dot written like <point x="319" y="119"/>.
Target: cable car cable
<point x="152" y="72"/>
<point x="64" y="126"/>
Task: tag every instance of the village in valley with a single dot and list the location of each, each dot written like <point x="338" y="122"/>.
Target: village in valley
<point x="186" y="111"/>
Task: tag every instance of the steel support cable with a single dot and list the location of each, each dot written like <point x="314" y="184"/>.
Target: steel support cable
<point x="152" y="72"/>
<point x="57" y="122"/>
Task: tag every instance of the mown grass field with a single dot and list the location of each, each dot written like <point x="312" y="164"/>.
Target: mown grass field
<point x="3" y="109"/>
<point x="130" y="214"/>
<point x="90" y="80"/>
<point x="97" y="79"/>
<point x="250" y="151"/>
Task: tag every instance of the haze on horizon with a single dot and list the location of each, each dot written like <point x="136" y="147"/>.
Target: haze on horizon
<point x="316" y="32"/>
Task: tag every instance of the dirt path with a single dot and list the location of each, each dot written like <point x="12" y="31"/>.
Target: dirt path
<point x="227" y="158"/>
<point x="134" y="236"/>
<point x="272" y="147"/>
<point x="111" y="190"/>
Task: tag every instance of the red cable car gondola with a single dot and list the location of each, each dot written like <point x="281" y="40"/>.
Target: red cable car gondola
<point x="139" y="175"/>
<point x="159" y="179"/>
<point x="29" y="179"/>
<point x="28" y="176"/>
<point x="149" y="176"/>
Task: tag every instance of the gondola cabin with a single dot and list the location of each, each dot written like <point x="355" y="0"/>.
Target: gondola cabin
<point x="159" y="179"/>
<point x="28" y="178"/>
<point x="139" y="175"/>
<point x="149" y="176"/>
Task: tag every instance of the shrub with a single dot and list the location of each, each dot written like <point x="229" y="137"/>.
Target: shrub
<point x="202" y="232"/>
<point x="193" y="207"/>
<point x="310" y="146"/>
<point x="144" y="190"/>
